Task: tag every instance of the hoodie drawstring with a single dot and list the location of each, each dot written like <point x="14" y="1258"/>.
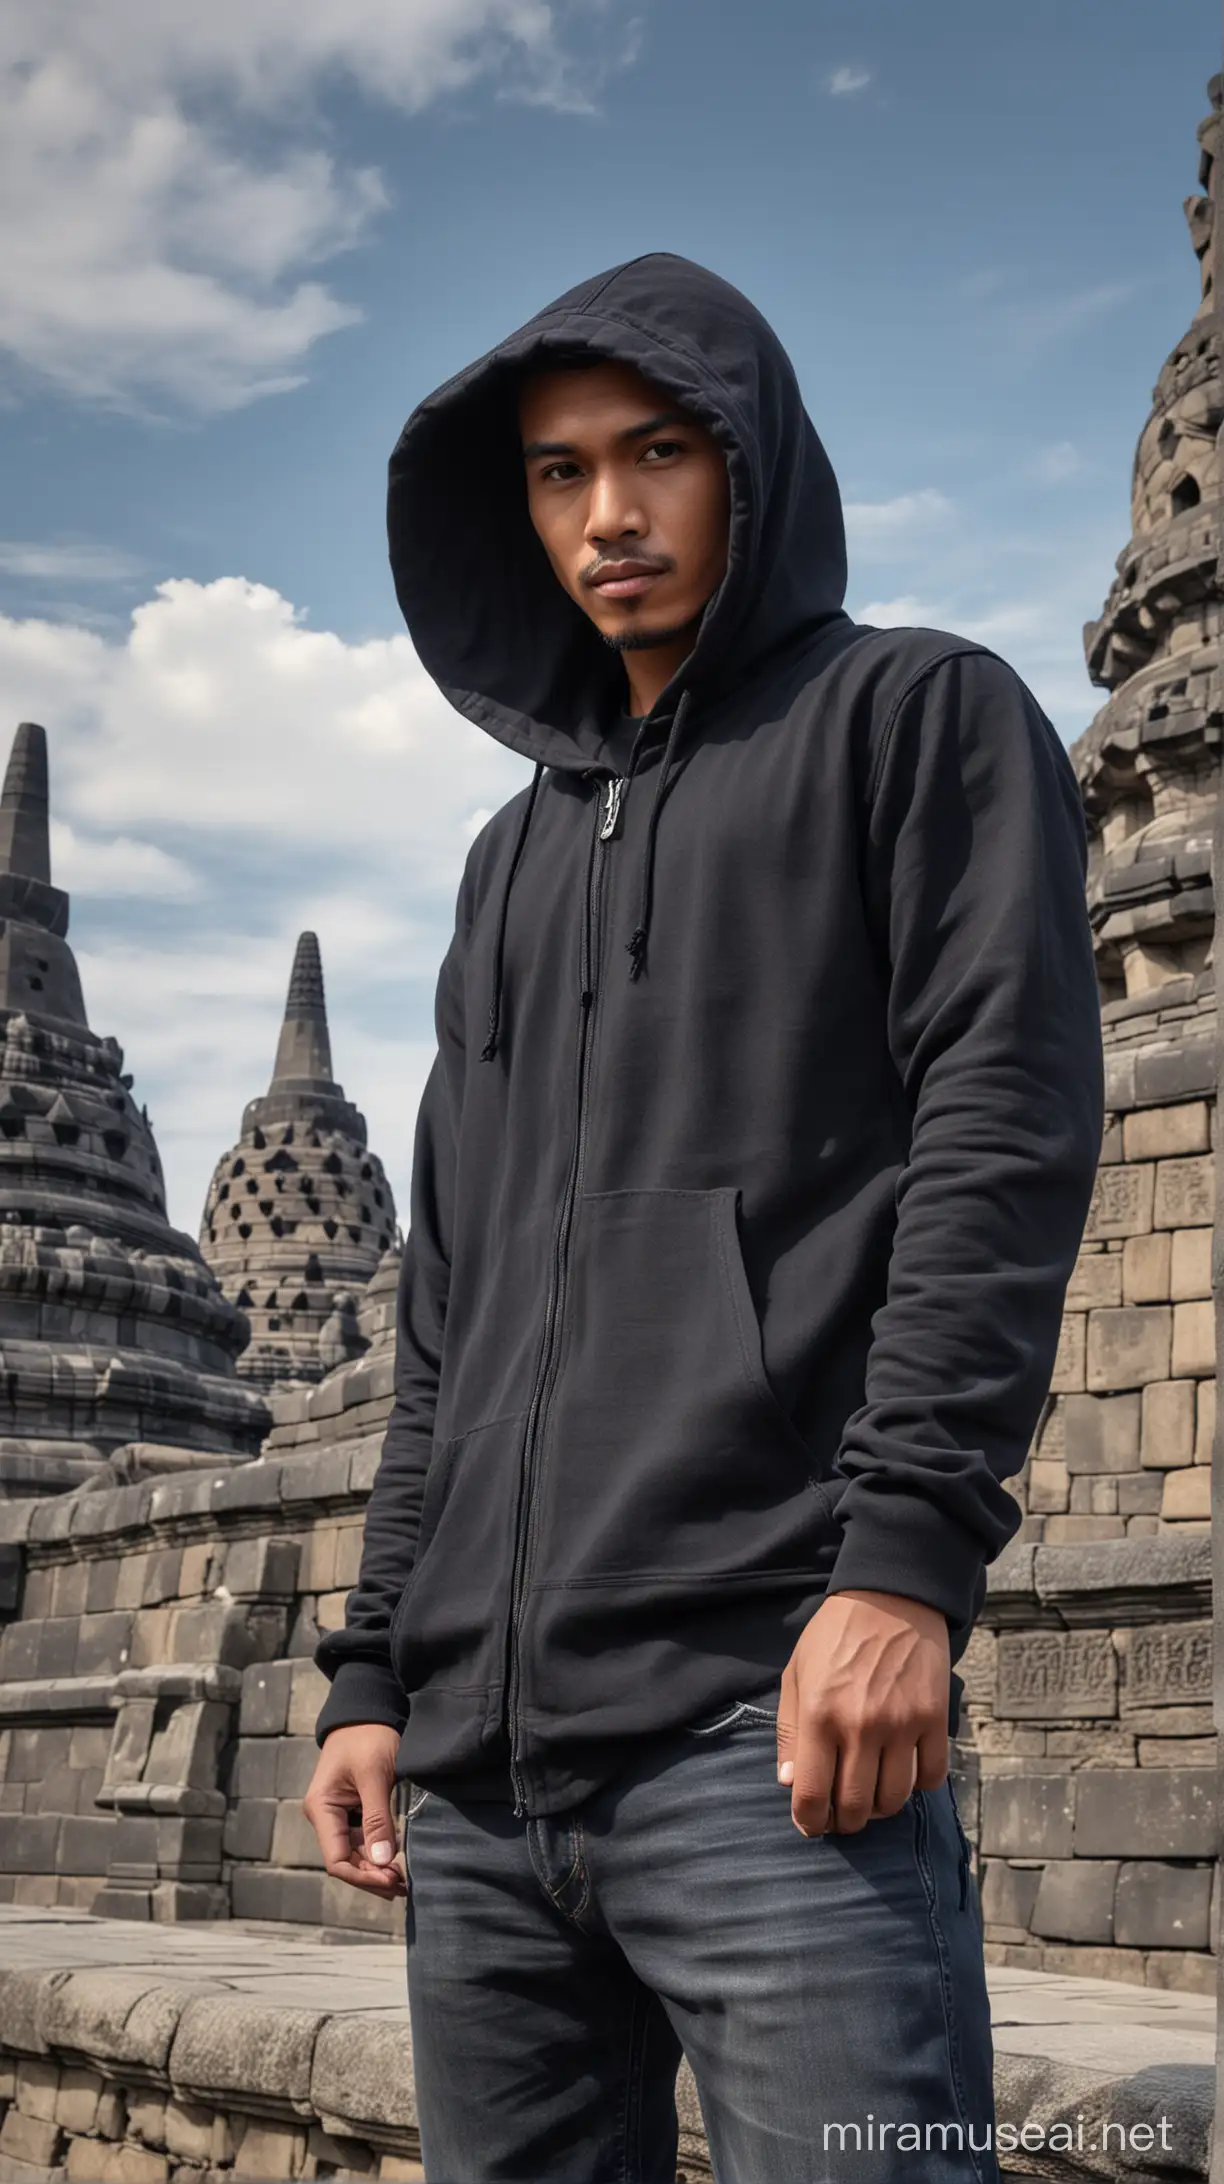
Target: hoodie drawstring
<point x="636" y="944"/>
<point x="489" y="1049"/>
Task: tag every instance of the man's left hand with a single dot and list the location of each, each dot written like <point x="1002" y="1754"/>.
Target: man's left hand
<point x="863" y="1718"/>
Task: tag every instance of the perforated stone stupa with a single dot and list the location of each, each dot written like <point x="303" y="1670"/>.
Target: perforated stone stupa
<point x="112" y="1329"/>
<point x="1149" y="764"/>
<point x="299" y="1212"/>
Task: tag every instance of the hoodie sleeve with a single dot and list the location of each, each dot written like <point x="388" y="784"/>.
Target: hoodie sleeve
<point x="975" y="878"/>
<point x="358" y="1658"/>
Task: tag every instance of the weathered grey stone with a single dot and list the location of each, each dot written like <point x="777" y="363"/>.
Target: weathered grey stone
<point x="271" y="2151"/>
<point x="1127" y="1581"/>
<point x="296" y="1760"/>
<point x="1168" y="1664"/>
<point x="294" y="1842"/>
<point x="308" y="1690"/>
<point x="299" y="1212"/>
<point x="266" y="1689"/>
<point x="78" y="2099"/>
<point x="1163" y="1906"/>
<point x="248" y="1828"/>
<point x="228" y="2044"/>
<point x="1075" y="1900"/>
<point x="1186" y="1495"/>
<point x="1145" y="1813"/>
<point x="1121" y="1202"/>
<point x="1096" y="1279"/>
<point x="261" y="1569"/>
<point x="1185" y="1193"/>
<point x="1028" y="1816"/>
<point x="29" y="1842"/>
<point x="89" y="2162"/>
<point x="115" y="2016"/>
<point x="255" y="1768"/>
<point x="27" y="2139"/>
<point x="1008" y="1893"/>
<point x="1168" y="1424"/>
<point x="84" y="1844"/>
<point x="364" y="2070"/>
<point x="36" y="2086"/>
<point x="1194" y="1339"/>
<point x="1128" y="1348"/>
<point x="1055" y="1674"/>
<point x="103" y="1643"/>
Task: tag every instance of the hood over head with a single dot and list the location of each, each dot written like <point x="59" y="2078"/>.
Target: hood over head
<point x="489" y="620"/>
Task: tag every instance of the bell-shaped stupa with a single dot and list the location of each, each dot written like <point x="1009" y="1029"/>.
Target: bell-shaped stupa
<point x="299" y="1212"/>
<point x="1149" y="764"/>
<point x="112" y="1329"/>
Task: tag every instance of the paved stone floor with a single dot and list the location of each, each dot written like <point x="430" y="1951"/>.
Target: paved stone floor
<point x="1063" y="2045"/>
<point x="1094" y="2022"/>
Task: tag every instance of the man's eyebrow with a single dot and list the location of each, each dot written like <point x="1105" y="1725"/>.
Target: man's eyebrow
<point x="535" y="448"/>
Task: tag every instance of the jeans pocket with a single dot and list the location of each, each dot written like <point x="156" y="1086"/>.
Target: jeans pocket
<point x="416" y="1798"/>
<point x="729" y="1717"/>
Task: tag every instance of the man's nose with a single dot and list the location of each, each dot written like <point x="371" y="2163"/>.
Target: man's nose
<point x="612" y="513"/>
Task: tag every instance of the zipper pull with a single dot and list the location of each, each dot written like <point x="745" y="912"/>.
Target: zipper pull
<point x="612" y="807"/>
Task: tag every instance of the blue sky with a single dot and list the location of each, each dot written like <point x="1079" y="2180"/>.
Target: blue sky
<point x="237" y="251"/>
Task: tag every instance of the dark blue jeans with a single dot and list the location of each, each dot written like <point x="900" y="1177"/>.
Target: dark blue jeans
<point x="829" y="1993"/>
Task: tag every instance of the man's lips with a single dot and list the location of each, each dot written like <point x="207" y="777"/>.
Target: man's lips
<point x="625" y="579"/>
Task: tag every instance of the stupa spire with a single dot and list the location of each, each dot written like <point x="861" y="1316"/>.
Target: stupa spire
<point x="299" y="1212"/>
<point x="303" y="1053"/>
<point x="25" y="840"/>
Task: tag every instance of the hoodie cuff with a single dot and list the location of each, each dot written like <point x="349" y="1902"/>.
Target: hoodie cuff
<point x="362" y="1691"/>
<point x="902" y="1543"/>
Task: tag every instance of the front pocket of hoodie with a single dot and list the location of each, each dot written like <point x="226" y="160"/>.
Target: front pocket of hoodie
<point x="449" y="1626"/>
<point x="666" y="1452"/>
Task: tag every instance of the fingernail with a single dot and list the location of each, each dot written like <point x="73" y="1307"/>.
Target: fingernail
<point x="786" y="1772"/>
<point x="381" y="1854"/>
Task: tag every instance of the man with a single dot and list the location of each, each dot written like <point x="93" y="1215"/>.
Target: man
<point x="747" y="1183"/>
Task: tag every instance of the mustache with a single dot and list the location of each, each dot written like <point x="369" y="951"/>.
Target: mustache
<point x="645" y="564"/>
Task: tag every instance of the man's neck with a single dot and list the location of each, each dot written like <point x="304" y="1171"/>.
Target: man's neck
<point x="649" y="671"/>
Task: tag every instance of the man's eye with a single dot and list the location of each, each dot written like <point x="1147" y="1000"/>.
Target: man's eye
<point x="663" y="448"/>
<point x="561" y="471"/>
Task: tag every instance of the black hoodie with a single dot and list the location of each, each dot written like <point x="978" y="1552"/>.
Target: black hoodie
<point x="754" y="1160"/>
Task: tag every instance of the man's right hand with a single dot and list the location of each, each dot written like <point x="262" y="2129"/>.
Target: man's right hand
<point x="356" y="1774"/>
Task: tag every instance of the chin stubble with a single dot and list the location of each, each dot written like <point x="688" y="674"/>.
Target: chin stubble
<point x="644" y="640"/>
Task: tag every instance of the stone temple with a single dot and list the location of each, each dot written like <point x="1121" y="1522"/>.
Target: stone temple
<point x="299" y="1213"/>
<point x="112" y="1329"/>
<point x="1091" y="1728"/>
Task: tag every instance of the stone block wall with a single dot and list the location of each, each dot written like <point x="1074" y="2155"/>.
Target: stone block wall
<point x="158" y="1694"/>
<point x="1125" y="1448"/>
<point x="1087" y="1763"/>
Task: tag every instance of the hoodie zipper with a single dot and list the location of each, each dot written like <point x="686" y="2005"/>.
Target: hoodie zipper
<point x="607" y="818"/>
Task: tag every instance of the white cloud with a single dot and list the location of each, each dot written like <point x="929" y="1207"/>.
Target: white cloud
<point x="88" y="865"/>
<point x="243" y="776"/>
<point x="881" y="526"/>
<point x="905" y="612"/>
<point x="1026" y="325"/>
<point x="845" y="80"/>
<point x="45" y="561"/>
<point x="167" y="202"/>
<point x="1056" y="464"/>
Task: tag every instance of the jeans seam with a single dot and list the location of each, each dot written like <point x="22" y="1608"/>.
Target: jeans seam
<point x="966" y="1854"/>
<point x="631" y="2119"/>
<point x="927" y="1876"/>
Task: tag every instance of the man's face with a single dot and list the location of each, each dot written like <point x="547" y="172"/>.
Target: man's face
<point x="630" y="498"/>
